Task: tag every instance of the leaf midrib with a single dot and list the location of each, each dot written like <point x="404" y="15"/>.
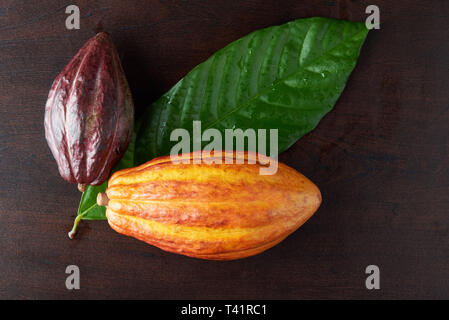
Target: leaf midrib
<point x="87" y="210"/>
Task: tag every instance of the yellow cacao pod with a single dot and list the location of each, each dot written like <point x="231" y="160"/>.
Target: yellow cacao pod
<point x="215" y="211"/>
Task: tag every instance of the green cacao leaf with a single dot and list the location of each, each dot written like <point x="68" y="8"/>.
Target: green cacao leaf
<point x="88" y="208"/>
<point x="284" y="77"/>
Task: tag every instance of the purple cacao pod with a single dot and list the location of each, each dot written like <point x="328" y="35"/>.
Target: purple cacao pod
<point x="89" y="114"/>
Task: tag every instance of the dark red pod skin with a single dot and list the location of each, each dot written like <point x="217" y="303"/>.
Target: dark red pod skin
<point x="89" y="114"/>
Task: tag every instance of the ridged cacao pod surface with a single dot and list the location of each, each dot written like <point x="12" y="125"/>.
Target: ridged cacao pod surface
<point x="89" y="113"/>
<point x="209" y="211"/>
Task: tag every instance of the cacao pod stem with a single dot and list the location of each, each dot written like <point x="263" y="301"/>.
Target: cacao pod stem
<point x="102" y="199"/>
<point x="81" y="187"/>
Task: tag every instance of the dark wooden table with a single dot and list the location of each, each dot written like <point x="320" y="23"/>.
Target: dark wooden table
<point x="380" y="157"/>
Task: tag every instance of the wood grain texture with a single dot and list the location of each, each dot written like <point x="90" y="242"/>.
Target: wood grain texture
<point x="379" y="158"/>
